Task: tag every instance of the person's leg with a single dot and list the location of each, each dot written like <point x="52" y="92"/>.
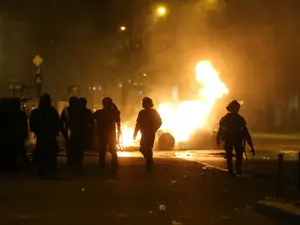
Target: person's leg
<point x="228" y="149"/>
<point x="239" y="157"/>
<point x="112" y="142"/>
<point x="68" y="150"/>
<point x="147" y="142"/>
<point x="53" y="154"/>
<point x="102" y="141"/>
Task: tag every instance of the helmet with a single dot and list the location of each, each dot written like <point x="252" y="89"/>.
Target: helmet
<point x="72" y="100"/>
<point x="45" y="100"/>
<point x="147" y="103"/>
<point x="82" y="102"/>
<point x="233" y="106"/>
<point x="107" y="102"/>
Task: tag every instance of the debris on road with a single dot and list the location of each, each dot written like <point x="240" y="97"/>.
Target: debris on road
<point x="162" y="208"/>
<point x="173" y="182"/>
<point x="206" y="168"/>
<point x="174" y="222"/>
<point x="82" y="189"/>
<point x="225" y="218"/>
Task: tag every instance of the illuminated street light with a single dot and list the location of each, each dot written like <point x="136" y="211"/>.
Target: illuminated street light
<point x="122" y="28"/>
<point x="161" y="11"/>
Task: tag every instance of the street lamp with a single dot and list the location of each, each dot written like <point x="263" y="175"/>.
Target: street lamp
<point x="123" y="28"/>
<point x="161" y="11"/>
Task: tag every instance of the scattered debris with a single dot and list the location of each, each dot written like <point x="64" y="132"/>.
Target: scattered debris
<point x="173" y="182"/>
<point x="212" y="221"/>
<point x="184" y="176"/>
<point x="150" y="212"/>
<point x="162" y="208"/>
<point x="225" y="191"/>
<point x="206" y="168"/>
<point x="237" y="210"/>
<point x="269" y="198"/>
<point x="225" y="218"/>
<point x="82" y="189"/>
<point x="174" y="222"/>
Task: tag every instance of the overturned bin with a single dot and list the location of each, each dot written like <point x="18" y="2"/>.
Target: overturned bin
<point x="166" y="141"/>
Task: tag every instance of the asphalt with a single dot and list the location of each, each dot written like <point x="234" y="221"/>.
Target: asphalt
<point x="175" y="192"/>
<point x="263" y="167"/>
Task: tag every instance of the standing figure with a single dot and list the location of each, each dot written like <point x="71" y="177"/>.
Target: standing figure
<point x="234" y="132"/>
<point x="148" y="122"/>
<point x="108" y="129"/>
<point x="45" y="124"/>
<point x="65" y="130"/>
<point x="79" y="128"/>
<point x="89" y="124"/>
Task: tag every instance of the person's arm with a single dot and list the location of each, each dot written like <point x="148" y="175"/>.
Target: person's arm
<point x="58" y="122"/>
<point x="119" y="129"/>
<point x="220" y="132"/>
<point x="137" y="126"/>
<point x="63" y="122"/>
<point x="158" y="121"/>
<point x="249" y="140"/>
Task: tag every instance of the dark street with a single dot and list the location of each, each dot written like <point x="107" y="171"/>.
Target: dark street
<point x="176" y="192"/>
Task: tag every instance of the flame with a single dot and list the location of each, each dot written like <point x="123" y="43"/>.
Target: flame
<point x="127" y="136"/>
<point x="182" y="118"/>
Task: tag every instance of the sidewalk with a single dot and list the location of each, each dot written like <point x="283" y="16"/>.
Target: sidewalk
<point x="286" y="211"/>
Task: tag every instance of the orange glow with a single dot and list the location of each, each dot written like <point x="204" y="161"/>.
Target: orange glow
<point x="181" y="119"/>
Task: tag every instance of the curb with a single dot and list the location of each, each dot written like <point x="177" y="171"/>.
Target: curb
<point x="286" y="212"/>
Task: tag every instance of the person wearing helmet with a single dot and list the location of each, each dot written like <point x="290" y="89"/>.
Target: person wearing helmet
<point x="234" y="132"/>
<point x="65" y="122"/>
<point x="107" y="123"/>
<point x="45" y="124"/>
<point x="81" y="131"/>
<point x="148" y="122"/>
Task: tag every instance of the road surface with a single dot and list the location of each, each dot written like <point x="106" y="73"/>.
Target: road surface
<point x="175" y="192"/>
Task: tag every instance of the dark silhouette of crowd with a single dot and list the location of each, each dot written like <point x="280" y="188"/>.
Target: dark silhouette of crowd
<point x="78" y="126"/>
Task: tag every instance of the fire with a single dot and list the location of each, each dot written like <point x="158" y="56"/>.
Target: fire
<point x="182" y="118"/>
<point x="127" y="136"/>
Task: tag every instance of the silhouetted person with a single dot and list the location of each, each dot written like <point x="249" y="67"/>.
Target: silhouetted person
<point x="148" y="122"/>
<point x="19" y="122"/>
<point x="234" y="132"/>
<point x="65" y="121"/>
<point x="14" y="131"/>
<point x="89" y="128"/>
<point x="45" y="123"/>
<point x="107" y="122"/>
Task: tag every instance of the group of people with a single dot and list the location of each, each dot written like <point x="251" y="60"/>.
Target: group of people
<point x="78" y="125"/>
